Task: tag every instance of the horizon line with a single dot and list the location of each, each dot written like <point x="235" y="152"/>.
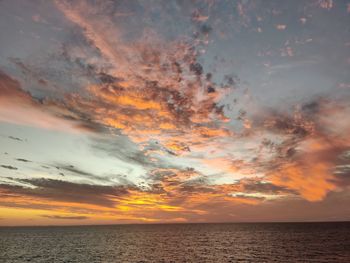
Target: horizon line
<point x="181" y="223"/>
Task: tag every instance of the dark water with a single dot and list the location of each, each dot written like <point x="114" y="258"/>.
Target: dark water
<point x="282" y="242"/>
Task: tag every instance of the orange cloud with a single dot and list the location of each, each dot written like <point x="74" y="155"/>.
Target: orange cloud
<point x="311" y="170"/>
<point x="313" y="182"/>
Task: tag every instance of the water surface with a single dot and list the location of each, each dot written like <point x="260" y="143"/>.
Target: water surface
<point x="272" y="242"/>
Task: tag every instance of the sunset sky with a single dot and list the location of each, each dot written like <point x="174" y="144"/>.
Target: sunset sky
<point x="174" y="111"/>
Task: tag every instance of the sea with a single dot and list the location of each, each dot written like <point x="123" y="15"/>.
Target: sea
<point x="237" y="242"/>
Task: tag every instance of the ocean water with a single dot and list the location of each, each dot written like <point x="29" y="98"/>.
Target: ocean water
<point x="271" y="242"/>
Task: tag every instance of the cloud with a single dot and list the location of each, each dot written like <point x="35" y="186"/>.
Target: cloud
<point x="15" y="138"/>
<point x="145" y="104"/>
<point x="19" y="107"/>
<point x="307" y="158"/>
<point x="164" y="108"/>
<point x="23" y="160"/>
<point x="73" y="171"/>
<point x="63" y="191"/>
<point x="65" y="217"/>
<point x="258" y="186"/>
<point x="9" y="167"/>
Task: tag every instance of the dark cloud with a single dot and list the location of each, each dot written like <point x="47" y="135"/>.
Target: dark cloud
<point x="107" y="179"/>
<point x="311" y="108"/>
<point x="107" y="79"/>
<point x="286" y="124"/>
<point x="123" y="149"/>
<point x="90" y="126"/>
<point x="267" y="188"/>
<point x="190" y="189"/>
<point x="82" y="121"/>
<point x="57" y="190"/>
<point x="9" y="167"/>
<point x="196" y="68"/>
<point x="179" y="183"/>
<point x="205" y="29"/>
<point x="23" y="160"/>
<point x="15" y="138"/>
<point x="77" y="171"/>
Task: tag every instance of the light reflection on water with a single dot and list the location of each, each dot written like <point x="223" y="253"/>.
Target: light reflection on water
<point x="297" y="242"/>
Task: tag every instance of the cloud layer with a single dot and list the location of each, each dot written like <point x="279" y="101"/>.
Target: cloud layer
<point x="199" y="143"/>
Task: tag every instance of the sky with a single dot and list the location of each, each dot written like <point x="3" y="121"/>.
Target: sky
<point x="116" y="112"/>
